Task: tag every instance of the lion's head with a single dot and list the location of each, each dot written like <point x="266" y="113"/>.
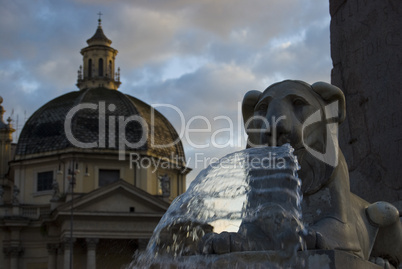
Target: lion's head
<point x="279" y="114"/>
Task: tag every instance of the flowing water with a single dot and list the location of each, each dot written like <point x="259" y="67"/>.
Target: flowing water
<point x="253" y="194"/>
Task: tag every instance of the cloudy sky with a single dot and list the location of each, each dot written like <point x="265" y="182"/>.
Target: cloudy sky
<point x="200" y="56"/>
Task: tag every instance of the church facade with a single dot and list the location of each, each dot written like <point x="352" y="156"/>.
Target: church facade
<point x="80" y="188"/>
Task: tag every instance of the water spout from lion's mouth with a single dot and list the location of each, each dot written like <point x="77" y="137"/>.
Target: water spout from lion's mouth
<point x="270" y="140"/>
<point x="253" y="190"/>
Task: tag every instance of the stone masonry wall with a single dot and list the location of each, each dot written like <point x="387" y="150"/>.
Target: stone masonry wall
<point x="366" y="50"/>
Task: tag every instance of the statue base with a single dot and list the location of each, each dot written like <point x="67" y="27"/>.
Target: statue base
<point x="311" y="259"/>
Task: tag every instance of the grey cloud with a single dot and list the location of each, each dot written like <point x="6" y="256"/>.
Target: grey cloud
<point x="233" y="40"/>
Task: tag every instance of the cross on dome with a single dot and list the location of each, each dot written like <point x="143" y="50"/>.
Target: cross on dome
<point x="100" y="18"/>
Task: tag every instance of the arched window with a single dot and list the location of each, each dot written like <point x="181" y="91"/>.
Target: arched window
<point x="110" y="69"/>
<point x="100" y="67"/>
<point x="90" y="68"/>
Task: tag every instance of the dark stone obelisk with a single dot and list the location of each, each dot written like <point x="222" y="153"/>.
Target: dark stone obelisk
<point x="366" y="50"/>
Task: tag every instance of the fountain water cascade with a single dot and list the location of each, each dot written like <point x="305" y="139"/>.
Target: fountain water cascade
<point x="251" y="197"/>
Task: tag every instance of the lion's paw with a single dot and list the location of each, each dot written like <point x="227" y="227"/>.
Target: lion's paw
<point x="382" y="214"/>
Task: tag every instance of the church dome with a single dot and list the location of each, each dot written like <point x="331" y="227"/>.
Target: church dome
<point x="97" y="120"/>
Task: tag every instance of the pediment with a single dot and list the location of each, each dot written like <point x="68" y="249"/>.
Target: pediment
<point x="118" y="197"/>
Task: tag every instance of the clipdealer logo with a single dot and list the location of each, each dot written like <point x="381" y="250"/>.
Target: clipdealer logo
<point x="330" y="156"/>
<point x="101" y="143"/>
<point x="187" y="131"/>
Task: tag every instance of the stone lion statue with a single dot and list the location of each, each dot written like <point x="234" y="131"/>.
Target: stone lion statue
<point x="335" y="217"/>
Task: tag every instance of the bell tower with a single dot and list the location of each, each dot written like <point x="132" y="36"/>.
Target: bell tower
<point x="6" y="131"/>
<point x="98" y="69"/>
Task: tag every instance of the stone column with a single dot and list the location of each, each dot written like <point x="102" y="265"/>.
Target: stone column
<point x="13" y="253"/>
<point x="66" y="264"/>
<point x="366" y="51"/>
<point x="91" y="252"/>
<point x="52" y="260"/>
<point x="60" y="256"/>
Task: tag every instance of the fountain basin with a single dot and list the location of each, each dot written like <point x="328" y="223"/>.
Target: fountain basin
<point x="311" y="259"/>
